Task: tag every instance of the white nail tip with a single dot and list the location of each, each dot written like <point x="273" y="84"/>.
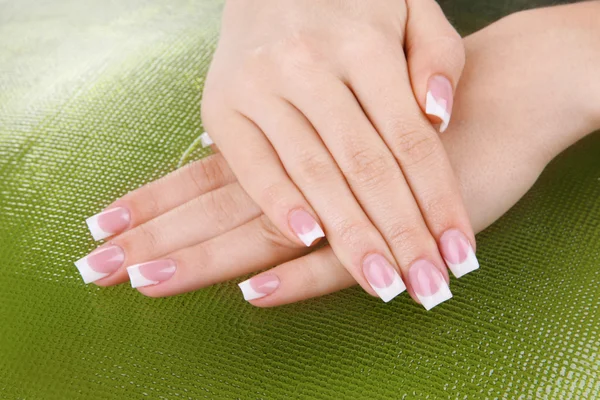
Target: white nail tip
<point x="388" y="293"/>
<point x="309" y="238"/>
<point x="206" y="140"/>
<point x="97" y="232"/>
<point x="469" y="265"/>
<point x="432" y="107"/>
<point x="248" y="292"/>
<point x="438" y="297"/>
<point x="137" y="279"/>
<point x="87" y="273"/>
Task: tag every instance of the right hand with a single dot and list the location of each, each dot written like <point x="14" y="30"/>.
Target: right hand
<point x="509" y="123"/>
<point x="321" y="110"/>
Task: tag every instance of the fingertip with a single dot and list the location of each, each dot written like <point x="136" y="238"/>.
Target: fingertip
<point x="206" y="140"/>
<point x="305" y="227"/>
<point x="148" y="292"/>
<point x="439" y="101"/>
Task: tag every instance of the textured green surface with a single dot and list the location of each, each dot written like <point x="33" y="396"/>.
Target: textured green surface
<point x="98" y="97"/>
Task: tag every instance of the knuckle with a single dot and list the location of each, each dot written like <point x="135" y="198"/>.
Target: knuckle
<point x="299" y="50"/>
<point x="149" y="204"/>
<point x="142" y="240"/>
<point x="273" y="237"/>
<point x="149" y="236"/>
<point x="252" y="77"/>
<point x="200" y="257"/>
<point x="441" y="211"/>
<point x="369" y="168"/>
<point x="207" y="173"/>
<point x="203" y="256"/>
<point x="452" y="51"/>
<point x="220" y="205"/>
<point x="372" y="43"/>
<point x="351" y="233"/>
<point x="414" y="143"/>
<point x="311" y="276"/>
<point x="314" y="169"/>
<point x="455" y="42"/>
<point x="403" y="235"/>
<point x="274" y="195"/>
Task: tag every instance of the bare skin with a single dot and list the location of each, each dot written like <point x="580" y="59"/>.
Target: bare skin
<point x="527" y="93"/>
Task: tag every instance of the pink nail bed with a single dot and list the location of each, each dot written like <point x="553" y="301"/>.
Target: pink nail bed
<point x="383" y="277"/>
<point x="151" y="273"/>
<point x="100" y="263"/>
<point x="439" y="100"/>
<point x="458" y="253"/>
<point x="428" y="284"/>
<point x="259" y="286"/>
<point x="108" y="222"/>
<point x="305" y="227"/>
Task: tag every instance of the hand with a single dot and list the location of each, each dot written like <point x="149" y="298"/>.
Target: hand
<point x="311" y="104"/>
<point x="507" y="128"/>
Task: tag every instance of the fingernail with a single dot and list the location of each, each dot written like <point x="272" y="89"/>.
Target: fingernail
<point x="439" y="100"/>
<point x="100" y="263"/>
<point x="206" y="140"/>
<point x="305" y="227"/>
<point x="151" y="273"/>
<point x="383" y="278"/>
<point x="108" y="223"/>
<point x="429" y="284"/>
<point x="458" y="253"/>
<point x="259" y="286"/>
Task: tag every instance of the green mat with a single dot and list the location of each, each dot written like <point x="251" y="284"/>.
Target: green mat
<point x="99" y="97"/>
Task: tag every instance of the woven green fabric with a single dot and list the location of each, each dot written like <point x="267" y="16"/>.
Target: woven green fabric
<point x="99" y="97"/>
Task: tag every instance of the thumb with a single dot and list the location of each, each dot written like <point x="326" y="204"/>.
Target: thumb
<point x="436" y="57"/>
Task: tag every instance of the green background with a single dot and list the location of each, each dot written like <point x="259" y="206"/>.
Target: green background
<point x="98" y="97"/>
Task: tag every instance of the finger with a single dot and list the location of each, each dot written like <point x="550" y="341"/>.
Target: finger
<point x="160" y="196"/>
<point x="353" y="237"/>
<point x="418" y="149"/>
<point x="251" y="247"/>
<point x="313" y="275"/>
<point x="436" y="58"/>
<point x="198" y="220"/>
<point x="376" y="181"/>
<point x="206" y="141"/>
<point x="259" y="170"/>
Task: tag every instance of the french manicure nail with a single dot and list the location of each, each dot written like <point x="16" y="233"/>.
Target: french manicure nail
<point x="383" y="277"/>
<point x="108" y="223"/>
<point x="305" y="227"/>
<point x="206" y="140"/>
<point x="439" y="100"/>
<point x="458" y="253"/>
<point x="151" y="273"/>
<point x="259" y="286"/>
<point x="428" y="283"/>
<point x="100" y="263"/>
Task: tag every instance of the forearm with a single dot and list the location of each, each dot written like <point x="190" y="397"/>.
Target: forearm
<point x="572" y="56"/>
<point x="585" y="18"/>
<point x="529" y="90"/>
<point x="560" y="53"/>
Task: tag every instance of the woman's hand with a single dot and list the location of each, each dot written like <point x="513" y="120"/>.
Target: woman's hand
<point x="311" y="104"/>
<point x="509" y="122"/>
